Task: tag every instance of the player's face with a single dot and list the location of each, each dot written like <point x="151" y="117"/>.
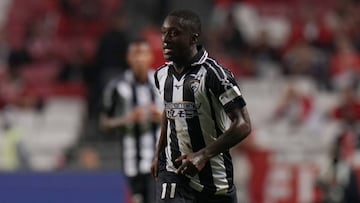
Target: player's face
<point x="139" y="57"/>
<point x="176" y="38"/>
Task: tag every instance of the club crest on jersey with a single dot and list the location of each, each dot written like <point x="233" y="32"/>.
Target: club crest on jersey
<point x="194" y="84"/>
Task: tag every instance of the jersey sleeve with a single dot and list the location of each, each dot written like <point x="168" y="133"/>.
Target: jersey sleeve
<point x="110" y="99"/>
<point x="156" y="80"/>
<point x="156" y="90"/>
<point x="222" y="84"/>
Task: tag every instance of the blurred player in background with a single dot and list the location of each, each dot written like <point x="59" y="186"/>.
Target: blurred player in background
<point x="130" y="104"/>
<point x="205" y="115"/>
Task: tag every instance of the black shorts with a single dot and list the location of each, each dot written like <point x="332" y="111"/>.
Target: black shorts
<point x="142" y="187"/>
<point x="173" y="188"/>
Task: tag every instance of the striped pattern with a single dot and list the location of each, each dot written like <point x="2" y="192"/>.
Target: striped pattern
<point x="197" y="117"/>
<point x="138" y="141"/>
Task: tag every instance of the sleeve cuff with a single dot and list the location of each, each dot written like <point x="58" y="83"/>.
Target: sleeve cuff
<point x="238" y="102"/>
<point x="229" y="95"/>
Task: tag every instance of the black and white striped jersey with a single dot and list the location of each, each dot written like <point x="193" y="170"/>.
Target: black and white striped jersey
<point x="138" y="141"/>
<point x="196" y="103"/>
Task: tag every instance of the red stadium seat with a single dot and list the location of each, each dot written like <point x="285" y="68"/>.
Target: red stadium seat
<point x="39" y="73"/>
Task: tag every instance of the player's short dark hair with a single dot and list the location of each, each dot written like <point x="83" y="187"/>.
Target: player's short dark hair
<point x="190" y="18"/>
<point x="138" y="40"/>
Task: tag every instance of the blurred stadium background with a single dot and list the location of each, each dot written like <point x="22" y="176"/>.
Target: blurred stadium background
<point x="297" y="62"/>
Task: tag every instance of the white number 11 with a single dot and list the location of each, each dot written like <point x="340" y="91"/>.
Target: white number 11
<point x="172" y="190"/>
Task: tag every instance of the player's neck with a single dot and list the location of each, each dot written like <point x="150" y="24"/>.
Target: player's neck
<point x="141" y="78"/>
<point x="183" y="65"/>
<point x="179" y="68"/>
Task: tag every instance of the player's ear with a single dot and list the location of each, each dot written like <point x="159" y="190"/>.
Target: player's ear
<point x="195" y="38"/>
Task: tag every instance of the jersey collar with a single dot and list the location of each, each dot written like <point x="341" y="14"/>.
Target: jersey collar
<point x="200" y="57"/>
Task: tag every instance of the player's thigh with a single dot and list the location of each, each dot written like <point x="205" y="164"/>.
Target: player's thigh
<point x="142" y="187"/>
<point x="229" y="197"/>
<point x="133" y="184"/>
<point x="172" y="188"/>
<point x="149" y="184"/>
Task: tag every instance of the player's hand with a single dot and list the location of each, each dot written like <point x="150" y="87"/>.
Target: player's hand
<point x="154" y="167"/>
<point x="192" y="163"/>
<point x="137" y="115"/>
<point x="155" y="114"/>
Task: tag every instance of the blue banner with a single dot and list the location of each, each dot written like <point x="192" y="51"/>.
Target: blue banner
<point x="62" y="188"/>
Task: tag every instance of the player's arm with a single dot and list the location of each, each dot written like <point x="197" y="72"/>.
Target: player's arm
<point x="240" y="128"/>
<point x="107" y="123"/>
<point x="162" y="140"/>
<point x="160" y="145"/>
<point x="137" y="114"/>
<point x="110" y="101"/>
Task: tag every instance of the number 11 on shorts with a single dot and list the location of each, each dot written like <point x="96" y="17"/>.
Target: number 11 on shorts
<point x="172" y="190"/>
